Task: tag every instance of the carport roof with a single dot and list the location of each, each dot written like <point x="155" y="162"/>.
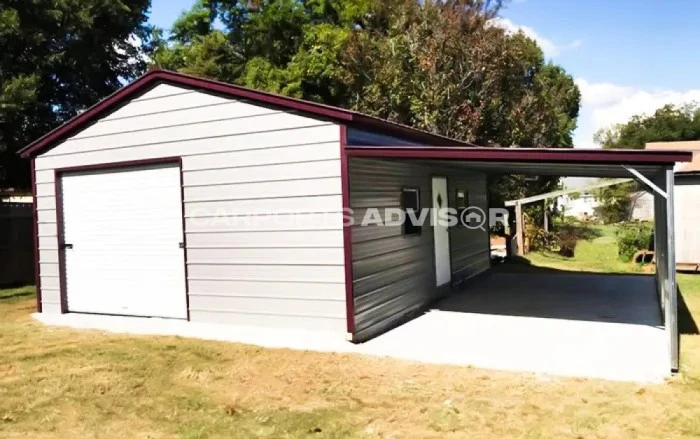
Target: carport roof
<point x="534" y="161"/>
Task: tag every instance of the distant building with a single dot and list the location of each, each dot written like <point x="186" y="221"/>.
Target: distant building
<point x="642" y="206"/>
<point x="581" y="206"/>
<point x="687" y="203"/>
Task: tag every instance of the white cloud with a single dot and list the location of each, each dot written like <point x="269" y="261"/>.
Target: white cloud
<point x="549" y="47"/>
<point x="606" y="104"/>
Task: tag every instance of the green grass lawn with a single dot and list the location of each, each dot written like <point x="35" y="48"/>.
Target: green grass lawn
<point x="57" y="382"/>
<point x="597" y="255"/>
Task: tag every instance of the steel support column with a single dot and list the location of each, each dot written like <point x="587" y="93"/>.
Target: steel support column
<point x="665" y="248"/>
<point x="671" y="310"/>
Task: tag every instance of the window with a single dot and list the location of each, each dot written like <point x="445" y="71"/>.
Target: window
<point x="461" y="203"/>
<point x="462" y="199"/>
<point x="410" y="202"/>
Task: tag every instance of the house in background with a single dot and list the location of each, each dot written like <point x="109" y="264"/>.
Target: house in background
<point x="642" y="206"/>
<point x="582" y="205"/>
<point x="687" y="203"/>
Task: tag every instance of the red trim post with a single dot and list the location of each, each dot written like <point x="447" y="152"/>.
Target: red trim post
<point x="124" y="164"/>
<point x="110" y="166"/>
<point x="58" y="189"/>
<point x="347" y="235"/>
<point x="35" y="232"/>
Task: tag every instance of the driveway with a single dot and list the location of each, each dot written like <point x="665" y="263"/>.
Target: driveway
<point x="582" y="325"/>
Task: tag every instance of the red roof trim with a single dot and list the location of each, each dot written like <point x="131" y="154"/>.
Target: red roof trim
<point x="157" y="76"/>
<point x="552" y="155"/>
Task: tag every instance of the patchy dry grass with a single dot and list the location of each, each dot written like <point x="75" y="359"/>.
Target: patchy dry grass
<point x="56" y="382"/>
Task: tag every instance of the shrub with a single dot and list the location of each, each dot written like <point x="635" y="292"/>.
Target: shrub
<point x="632" y="237"/>
<point x="567" y="242"/>
<point x="541" y="240"/>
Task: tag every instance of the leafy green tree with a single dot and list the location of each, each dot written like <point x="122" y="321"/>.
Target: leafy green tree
<point x="668" y="123"/>
<point x="59" y="57"/>
<point x="441" y="66"/>
<point x="614" y="202"/>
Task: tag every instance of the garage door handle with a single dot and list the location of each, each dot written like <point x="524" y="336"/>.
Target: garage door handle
<point x="67" y="246"/>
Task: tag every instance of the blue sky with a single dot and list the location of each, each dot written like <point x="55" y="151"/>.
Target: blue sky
<point x="626" y="56"/>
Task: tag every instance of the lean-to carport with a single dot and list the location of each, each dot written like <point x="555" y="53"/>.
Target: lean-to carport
<point x="654" y="169"/>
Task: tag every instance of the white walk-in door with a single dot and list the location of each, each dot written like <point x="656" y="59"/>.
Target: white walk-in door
<point x="441" y="231"/>
<point x="122" y="241"/>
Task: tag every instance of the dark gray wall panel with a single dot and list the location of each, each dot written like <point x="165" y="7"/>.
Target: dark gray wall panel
<point x="394" y="274"/>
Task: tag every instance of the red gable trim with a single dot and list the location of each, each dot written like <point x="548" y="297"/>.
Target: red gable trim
<point x="157" y="76"/>
<point x="551" y="155"/>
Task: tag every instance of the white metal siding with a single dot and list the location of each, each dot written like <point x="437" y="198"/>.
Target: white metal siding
<point x="125" y="257"/>
<point x="238" y="160"/>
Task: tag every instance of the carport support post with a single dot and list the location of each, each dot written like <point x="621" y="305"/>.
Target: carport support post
<point x="546" y="217"/>
<point x="665" y="255"/>
<point x="519" y="229"/>
<point x="672" y="290"/>
<point x="660" y="242"/>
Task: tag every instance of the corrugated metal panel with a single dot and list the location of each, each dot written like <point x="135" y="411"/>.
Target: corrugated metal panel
<point x="394" y="274"/>
<point x="687" y="219"/>
<point x="238" y="159"/>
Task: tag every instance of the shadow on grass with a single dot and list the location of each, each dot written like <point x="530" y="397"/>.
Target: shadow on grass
<point x="16" y="293"/>
<point x="686" y="322"/>
<point x="518" y="264"/>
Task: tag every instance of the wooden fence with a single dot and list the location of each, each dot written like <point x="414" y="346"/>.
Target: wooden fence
<point x="16" y="244"/>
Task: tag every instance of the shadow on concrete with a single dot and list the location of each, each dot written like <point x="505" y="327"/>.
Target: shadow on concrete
<point x="529" y="291"/>
<point x="516" y="264"/>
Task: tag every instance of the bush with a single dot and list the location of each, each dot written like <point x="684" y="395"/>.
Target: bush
<point x="540" y="240"/>
<point x="632" y="237"/>
<point x="567" y="242"/>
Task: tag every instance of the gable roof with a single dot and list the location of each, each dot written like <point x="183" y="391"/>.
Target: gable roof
<point x="692" y="146"/>
<point x="154" y="77"/>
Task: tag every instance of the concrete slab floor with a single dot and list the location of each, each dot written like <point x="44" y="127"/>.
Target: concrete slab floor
<point x="578" y="325"/>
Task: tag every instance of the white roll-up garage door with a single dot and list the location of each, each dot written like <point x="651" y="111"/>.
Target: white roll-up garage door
<point x="122" y="235"/>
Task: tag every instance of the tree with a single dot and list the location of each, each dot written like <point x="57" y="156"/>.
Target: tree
<point x="668" y="123"/>
<point x="59" y="57"/>
<point x="615" y="202"/>
<point x="441" y="66"/>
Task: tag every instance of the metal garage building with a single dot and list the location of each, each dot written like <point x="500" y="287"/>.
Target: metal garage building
<point x="186" y="198"/>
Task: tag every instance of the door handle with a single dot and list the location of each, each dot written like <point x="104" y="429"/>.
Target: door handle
<point x="182" y="245"/>
<point x="65" y="246"/>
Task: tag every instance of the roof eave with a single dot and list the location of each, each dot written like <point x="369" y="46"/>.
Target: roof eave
<point x="551" y="155"/>
<point x="155" y="76"/>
